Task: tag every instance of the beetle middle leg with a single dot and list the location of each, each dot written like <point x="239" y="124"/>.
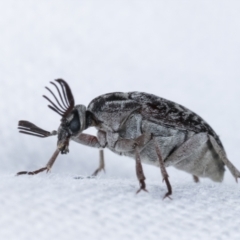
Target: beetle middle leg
<point x="101" y="164"/>
<point x="142" y="143"/>
<point x="96" y="142"/>
<point x="139" y="172"/>
<point x="163" y="170"/>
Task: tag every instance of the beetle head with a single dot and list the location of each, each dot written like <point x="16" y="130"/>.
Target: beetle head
<point x="73" y="120"/>
<point x="72" y="125"/>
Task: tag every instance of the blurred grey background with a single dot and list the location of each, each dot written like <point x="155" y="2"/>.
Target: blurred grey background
<point x="185" y="51"/>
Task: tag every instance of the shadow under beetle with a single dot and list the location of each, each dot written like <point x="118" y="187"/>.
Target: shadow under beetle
<point x="139" y="125"/>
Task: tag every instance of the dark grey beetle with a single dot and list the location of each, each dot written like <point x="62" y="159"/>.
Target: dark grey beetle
<point x="142" y="126"/>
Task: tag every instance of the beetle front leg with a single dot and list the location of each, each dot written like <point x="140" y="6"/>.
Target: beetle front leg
<point x="88" y="140"/>
<point x="47" y="168"/>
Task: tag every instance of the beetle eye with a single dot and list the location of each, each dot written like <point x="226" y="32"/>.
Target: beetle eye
<point x="74" y="124"/>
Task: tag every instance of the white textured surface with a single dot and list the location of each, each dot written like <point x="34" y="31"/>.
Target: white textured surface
<point x="185" y="51"/>
<point x="60" y="207"/>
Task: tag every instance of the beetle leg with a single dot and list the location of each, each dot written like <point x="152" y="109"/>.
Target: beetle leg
<point x="126" y="145"/>
<point x="52" y="160"/>
<point x="86" y="139"/>
<point x="32" y="173"/>
<point x="47" y="168"/>
<point x="195" y="179"/>
<point x="143" y="139"/>
<point x="190" y="157"/>
<point x="224" y="158"/>
<point x="139" y="171"/>
<point x="101" y="136"/>
<point x="96" y="142"/>
<point x="101" y="164"/>
<point x="163" y="171"/>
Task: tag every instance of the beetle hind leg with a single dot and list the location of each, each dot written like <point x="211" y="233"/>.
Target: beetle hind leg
<point x="234" y="171"/>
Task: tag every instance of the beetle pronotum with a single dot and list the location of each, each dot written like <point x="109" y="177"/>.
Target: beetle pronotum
<point x="142" y="126"/>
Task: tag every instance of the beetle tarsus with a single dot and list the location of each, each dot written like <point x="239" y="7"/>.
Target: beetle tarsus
<point x="196" y="179"/>
<point x="167" y="195"/>
<point x="142" y="186"/>
<point x="169" y="187"/>
<point x="32" y="173"/>
<point x="47" y="168"/>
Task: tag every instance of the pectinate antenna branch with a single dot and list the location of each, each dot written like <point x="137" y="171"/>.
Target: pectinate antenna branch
<point x="55" y="110"/>
<point x="54" y="106"/>
<point x="59" y="104"/>
<point x="60" y="95"/>
<point x="63" y="90"/>
<point x="68" y="95"/>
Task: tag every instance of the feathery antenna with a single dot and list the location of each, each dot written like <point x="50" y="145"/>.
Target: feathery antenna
<point x="31" y="129"/>
<point x="65" y="104"/>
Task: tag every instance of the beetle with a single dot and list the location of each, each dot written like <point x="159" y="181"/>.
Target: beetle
<point x="145" y="127"/>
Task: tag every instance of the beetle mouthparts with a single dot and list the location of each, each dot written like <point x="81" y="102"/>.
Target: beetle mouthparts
<point x="63" y="146"/>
